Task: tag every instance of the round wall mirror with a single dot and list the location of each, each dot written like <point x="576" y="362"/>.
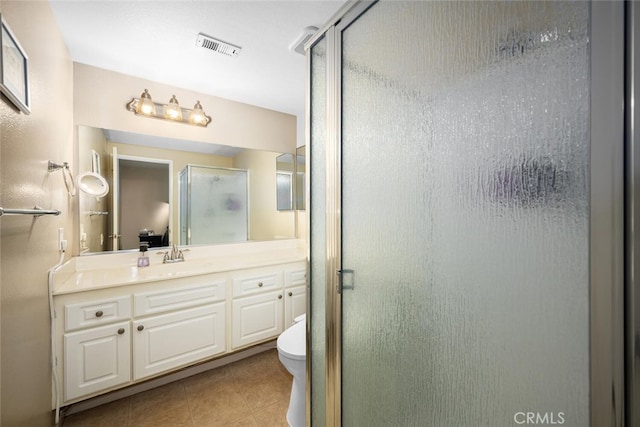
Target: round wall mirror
<point x="93" y="184"/>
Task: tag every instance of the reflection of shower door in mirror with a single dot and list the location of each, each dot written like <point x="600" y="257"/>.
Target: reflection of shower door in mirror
<point x="473" y="212"/>
<point x="215" y="206"/>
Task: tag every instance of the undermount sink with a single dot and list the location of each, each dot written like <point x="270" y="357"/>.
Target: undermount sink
<point x="171" y="268"/>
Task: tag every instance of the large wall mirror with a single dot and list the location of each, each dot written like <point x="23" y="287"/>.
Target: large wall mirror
<point x="149" y="202"/>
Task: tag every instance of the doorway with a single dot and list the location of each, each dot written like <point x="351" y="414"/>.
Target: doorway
<point x="142" y="200"/>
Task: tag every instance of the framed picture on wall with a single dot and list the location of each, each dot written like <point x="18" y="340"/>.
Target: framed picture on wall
<point x="14" y="81"/>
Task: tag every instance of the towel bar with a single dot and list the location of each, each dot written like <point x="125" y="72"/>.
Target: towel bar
<point x="36" y="211"/>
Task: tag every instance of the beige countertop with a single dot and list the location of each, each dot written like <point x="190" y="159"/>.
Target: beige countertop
<point x="83" y="274"/>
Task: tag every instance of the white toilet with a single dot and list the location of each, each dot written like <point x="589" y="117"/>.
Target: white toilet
<point x="292" y="354"/>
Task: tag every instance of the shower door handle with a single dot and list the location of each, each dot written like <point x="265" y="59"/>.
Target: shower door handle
<point x="345" y="280"/>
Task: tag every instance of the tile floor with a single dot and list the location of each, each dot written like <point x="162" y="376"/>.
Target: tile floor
<point x="251" y="392"/>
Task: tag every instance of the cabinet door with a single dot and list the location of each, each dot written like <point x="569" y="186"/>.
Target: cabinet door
<point x="176" y="339"/>
<point x="96" y="359"/>
<point x="295" y="304"/>
<point x="257" y="318"/>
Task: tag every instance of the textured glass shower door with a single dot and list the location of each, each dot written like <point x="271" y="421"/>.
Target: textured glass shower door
<point x="465" y="214"/>
<point x="213" y="205"/>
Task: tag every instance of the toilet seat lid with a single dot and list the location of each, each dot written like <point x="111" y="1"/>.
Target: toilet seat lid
<point x="292" y="343"/>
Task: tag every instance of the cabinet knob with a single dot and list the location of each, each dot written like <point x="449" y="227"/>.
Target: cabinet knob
<point x="260" y="284"/>
<point x="290" y="294"/>
<point x="140" y="327"/>
<point x="99" y="313"/>
<point x="280" y="296"/>
<point x="120" y="331"/>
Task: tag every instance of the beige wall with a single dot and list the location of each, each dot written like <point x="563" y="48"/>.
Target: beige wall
<point x="233" y="123"/>
<point x="28" y="246"/>
<point x="264" y="217"/>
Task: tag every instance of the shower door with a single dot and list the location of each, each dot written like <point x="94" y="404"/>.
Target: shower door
<point x="470" y="190"/>
<point x="213" y="205"/>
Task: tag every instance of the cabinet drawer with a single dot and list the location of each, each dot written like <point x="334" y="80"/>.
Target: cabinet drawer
<point x="295" y="277"/>
<point x="97" y="312"/>
<point x="205" y="292"/>
<point x="256" y="284"/>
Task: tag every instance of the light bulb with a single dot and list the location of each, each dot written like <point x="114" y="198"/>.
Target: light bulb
<point x="172" y="110"/>
<point x="197" y="116"/>
<point x="145" y="105"/>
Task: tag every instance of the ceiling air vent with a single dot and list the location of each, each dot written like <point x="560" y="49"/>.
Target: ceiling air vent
<point x="298" y="45"/>
<point x="218" y="46"/>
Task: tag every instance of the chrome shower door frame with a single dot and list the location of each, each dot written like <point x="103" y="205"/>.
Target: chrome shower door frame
<point x="632" y="216"/>
<point x="606" y="214"/>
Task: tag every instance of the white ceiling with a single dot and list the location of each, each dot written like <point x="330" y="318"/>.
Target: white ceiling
<point x="156" y="40"/>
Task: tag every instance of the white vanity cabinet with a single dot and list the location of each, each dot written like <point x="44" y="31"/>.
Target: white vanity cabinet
<point x="295" y="294"/>
<point x="140" y="327"/>
<point x="265" y="302"/>
<point x="257" y="306"/>
<point x="112" y="341"/>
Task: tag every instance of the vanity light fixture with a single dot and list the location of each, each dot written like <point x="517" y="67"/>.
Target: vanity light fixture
<point x="144" y="106"/>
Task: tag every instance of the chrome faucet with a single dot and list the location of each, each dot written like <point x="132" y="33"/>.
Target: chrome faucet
<point x="175" y="255"/>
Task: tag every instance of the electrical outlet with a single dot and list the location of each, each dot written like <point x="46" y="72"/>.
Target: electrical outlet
<point x="62" y="243"/>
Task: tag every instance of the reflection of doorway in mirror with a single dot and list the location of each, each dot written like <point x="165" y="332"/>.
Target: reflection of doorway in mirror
<point x="144" y="188"/>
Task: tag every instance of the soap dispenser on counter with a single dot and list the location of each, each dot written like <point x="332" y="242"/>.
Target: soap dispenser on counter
<point x="143" y="259"/>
